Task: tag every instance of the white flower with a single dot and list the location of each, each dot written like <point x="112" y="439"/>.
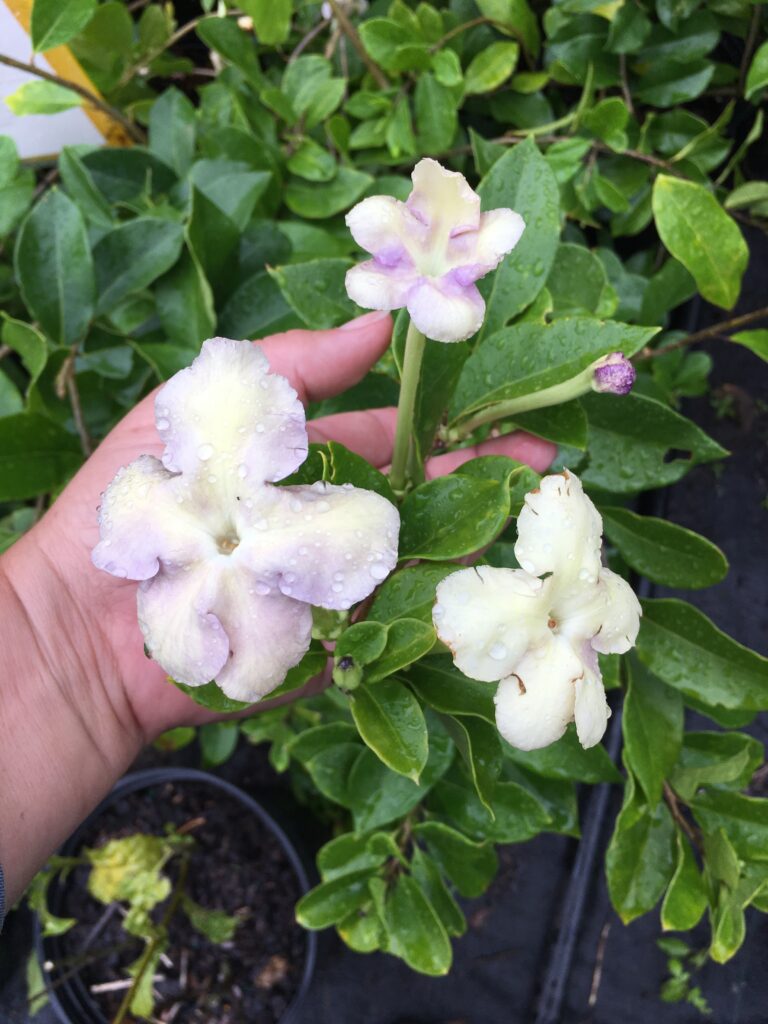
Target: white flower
<point x="229" y="564"/>
<point x="538" y="629"/>
<point x="429" y="251"/>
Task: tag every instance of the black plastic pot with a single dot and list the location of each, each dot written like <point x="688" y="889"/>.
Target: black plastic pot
<point x="69" y="997"/>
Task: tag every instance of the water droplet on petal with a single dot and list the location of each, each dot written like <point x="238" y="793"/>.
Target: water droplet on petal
<point x="379" y="571"/>
<point x="262" y="589"/>
<point x="259" y="428"/>
<point x="498" y="652"/>
<point x="205" y="451"/>
<point x="242" y="471"/>
<point x="438" y="612"/>
<point x="163" y="424"/>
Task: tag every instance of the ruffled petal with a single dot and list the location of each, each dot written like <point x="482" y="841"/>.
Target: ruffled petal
<point x="535" y="705"/>
<point x="620" y="621"/>
<point x="180" y="629"/>
<point x="227" y="417"/>
<point x="559" y="530"/>
<point x="327" y="545"/>
<point x="386" y="228"/>
<point x="374" y="286"/>
<point x="477" y="253"/>
<point x="446" y="310"/>
<point x="591" y="709"/>
<point x="143" y="520"/>
<point x="489" y="617"/>
<point x="267" y="636"/>
<point x="443" y="199"/>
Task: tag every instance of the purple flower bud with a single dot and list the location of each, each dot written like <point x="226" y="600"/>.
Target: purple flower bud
<point x="615" y="374"/>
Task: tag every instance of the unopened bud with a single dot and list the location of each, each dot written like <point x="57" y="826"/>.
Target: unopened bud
<point x="615" y="374"/>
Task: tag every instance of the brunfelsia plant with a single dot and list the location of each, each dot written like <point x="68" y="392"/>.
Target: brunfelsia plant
<point x="624" y="138"/>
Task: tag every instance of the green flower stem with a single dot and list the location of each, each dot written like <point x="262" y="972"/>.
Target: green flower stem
<point x="414" y="353"/>
<point x="556" y="395"/>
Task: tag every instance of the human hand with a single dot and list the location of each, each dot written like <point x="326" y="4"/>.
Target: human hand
<point x="101" y="610"/>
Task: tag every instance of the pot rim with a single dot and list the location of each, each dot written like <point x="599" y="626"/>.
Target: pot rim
<point x="144" y="779"/>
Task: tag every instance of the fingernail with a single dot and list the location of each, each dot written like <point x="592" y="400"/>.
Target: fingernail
<point x="366" y="320"/>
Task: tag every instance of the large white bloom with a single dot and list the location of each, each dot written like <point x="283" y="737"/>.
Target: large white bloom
<point x="429" y="251"/>
<point x="538" y="629"/>
<point x="229" y="564"/>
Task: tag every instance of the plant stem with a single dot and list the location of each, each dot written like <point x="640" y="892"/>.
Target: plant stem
<point x="352" y="34"/>
<point x="723" y="327"/>
<point x="149" y="952"/>
<point x="117" y="115"/>
<point x="414" y="352"/>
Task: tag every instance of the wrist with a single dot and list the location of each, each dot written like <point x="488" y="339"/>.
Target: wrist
<point x="68" y="733"/>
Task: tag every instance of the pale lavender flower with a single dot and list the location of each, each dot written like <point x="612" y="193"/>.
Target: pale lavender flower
<point x="614" y="374"/>
<point x="229" y="564"/>
<point x="429" y="251"/>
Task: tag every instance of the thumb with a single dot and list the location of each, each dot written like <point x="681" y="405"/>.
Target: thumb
<point x="320" y="364"/>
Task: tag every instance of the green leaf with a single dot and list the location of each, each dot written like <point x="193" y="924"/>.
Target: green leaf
<point x="234" y="45"/>
<point x="636" y="443"/>
<point x="438" y="683"/>
<point x="686" y="898"/>
<point x="757" y="76"/>
<point x="426" y="873"/>
<point x="407" y="641"/>
<point x="312" y="161"/>
<point x="40" y="97"/>
<point x="36" y="897"/>
<point x="639" y="860"/>
<point x="332" y="901"/>
<point x="452" y="516"/>
<point x="684" y="648"/>
<point x="315" y="291"/>
<point x="436" y="116"/>
<point x="256" y="307"/>
<point x="414" y="930"/>
<point x="271" y="19"/>
<point x="578" y="283"/>
<point x="213" y="237"/>
<point x="185" y="303"/>
<point x="522" y="180"/>
<point x="652" y="725"/>
<point x="36" y="456"/>
<point x="132" y="256"/>
<point x="390" y="720"/>
<point x="567" y="759"/>
<point x="607" y="120"/>
<point x="318" y="202"/>
<point x="480" y="749"/>
<point x="313" y="741"/>
<point x="491" y="67"/>
<point x="175" y="739"/>
<point x="55" y="22"/>
<point x="232" y="185"/>
<point x="744" y="819"/>
<point x="215" y="925"/>
<point x="700" y="234"/>
<point x="470" y="865"/>
<point x="218" y="741"/>
<point x="81" y="187"/>
<point x="54" y="268"/>
<point x="27" y="342"/>
<point x="172" y="129"/>
<point x="727" y="759"/>
<point x="409" y="593"/>
<point x="515" y="18"/>
<point x="211" y="697"/>
<point x="529" y="358"/>
<point x="662" y="551"/>
<point x="349" y="853"/>
<point x="755" y="341"/>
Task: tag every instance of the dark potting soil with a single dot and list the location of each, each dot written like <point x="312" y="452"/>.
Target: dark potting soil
<point x="237" y="866"/>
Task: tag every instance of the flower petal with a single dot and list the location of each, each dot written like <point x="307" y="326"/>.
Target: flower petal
<point x="621" y="619"/>
<point x="535" y="705"/>
<point x="443" y="199"/>
<point x="559" y="530"/>
<point x="445" y="309"/>
<point x="591" y="709"/>
<point x="386" y="228"/>
<point x="374" y="286"/>
<point x="180" y="630"/>
<point x="227" y="416"/>
<point x="489" y="617"/>
<point x="142" y="523"/>
<point x="267" y="636"/>
<point x="482" y="251"/>
<point x="327" y="545"/>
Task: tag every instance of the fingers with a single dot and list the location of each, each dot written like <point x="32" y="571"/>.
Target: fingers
<point x="533" y="451"/>
<point x="320" y="364"/>
<point x="370" y="433"/>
